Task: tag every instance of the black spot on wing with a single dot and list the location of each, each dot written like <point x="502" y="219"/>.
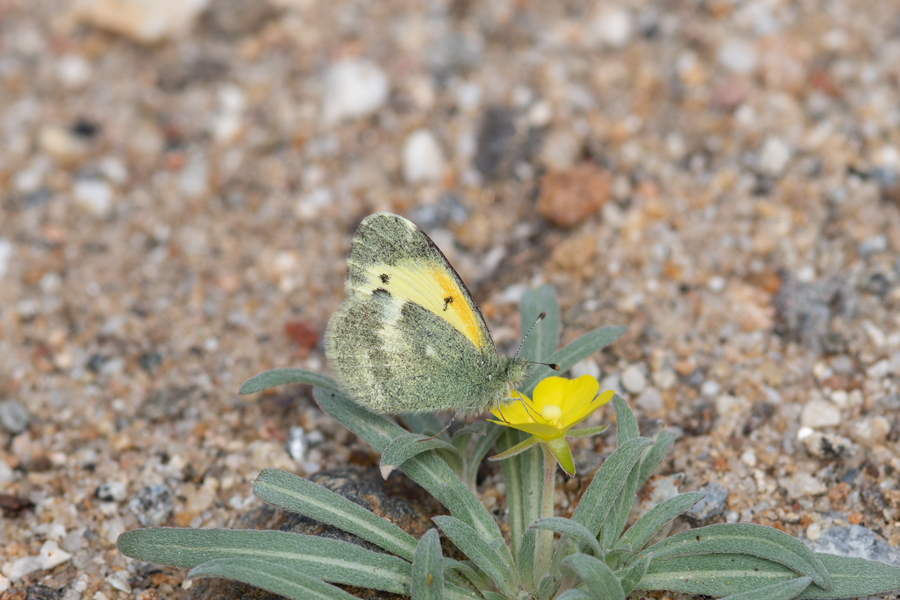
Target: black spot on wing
<point x="382" y="291"/>
<point x="384" y="277"/>
<point x="447" y="302"/>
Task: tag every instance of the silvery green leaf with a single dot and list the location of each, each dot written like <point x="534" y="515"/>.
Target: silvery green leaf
<point x="565" y="357"/>
<point x="483" y="445"/>
<point x="526" y="558"/>
<point x="571" y="528"/>
<point x="585" y="432"/>
<point x="626" y="424"/>
<point x="777" y="591"/>
<point x="271" y="577"/>
<point x="478" y="551"/>
<point x="427" y="570"/>
<point x="575" y="594"/>
<point x="653" y="520"/>
<point x="466" y="569"/>
<point x="596" y="502"/>
<point x="409" y="445"/>
<point x="302" y="496"/>
<point x="541" y="342"/>
<point x="331" y="560"/>
<point x="600" y="581"/>
<point x="655" y="455"/>
<point x="424" y="423"/>
<point x="746" y="538"/>
<point x="854" y="577"/>
<point x="515" y="494"/>
<point x="630" y="575"/>
<point x="428" y="470"/>
<point x="275" y="377"/>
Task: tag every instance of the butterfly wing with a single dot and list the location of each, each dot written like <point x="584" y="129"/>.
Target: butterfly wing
<point x="409" y="337"/>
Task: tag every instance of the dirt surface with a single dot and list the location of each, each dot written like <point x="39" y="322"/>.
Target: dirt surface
<point x="721" y="177"/>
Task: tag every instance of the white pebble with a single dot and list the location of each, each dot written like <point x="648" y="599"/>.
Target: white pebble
<point x="820" y="413"/>
<point x="612" y="27"/>
<point x="18" y="569"/>
<point x="6" y="252"/>
<point x="633" y="379"/>
<point x="354" y="88"/>
<point x="94" y="196"/>
<point x="716" y="284"/>
<point x="586" y="366"/>
<point x="801" y="484"/>
<point x="749" y="458"/>
<point x="51" y="555"/>
<point x="119" y="580"/>
<point x="4" y="583"/>
<point x="665" y="379"/>
<point x="144" y="21"/>
<point x="423" y="160"/>
<point x="650" y="400"/>
<point x="710" y="388"/>
<point x="814" y="532"/>
<point x="774" y="156"/>
<point x="738" y="56"/>
<point x="73" y="71"/>
<point x="870" y="432"/>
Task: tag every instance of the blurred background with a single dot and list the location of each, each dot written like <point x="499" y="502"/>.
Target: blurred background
<point x="180" y="181"/>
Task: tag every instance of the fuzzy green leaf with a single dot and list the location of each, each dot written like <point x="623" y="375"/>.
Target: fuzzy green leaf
<point x="466" y="569"/>
<point x="275" y="377"/>
<point x="482" y="446"/>
<point x="515" y="499"/>
<point x="541" y="342"/>
<point x="652" y="458"/>
<point x="585" y="432"/>
<point x="565" y="357"/>
<point x="746" y="538"/>
<point x="626" y="424"/>
<point x="302" y="496"/>
<point x="517" y="449"/>
<point x="600" y="581"/>
<point x="428" y="470"/>
<point x="714" y="574"/>
<point x="562" y="452"/>
<point x="629" y="576"/>
<point x="424" y="423"/>
<point x="271" y="577"/>
<point x="652" y="521"/>
<point x="478" y="551"/>
<point x="427" y="570"/>
<point x="407" y="446"/>
<point x="331" y="560"/>
<point x="575" y="594"/>
<point x="854" y="577"/>
<point x="608" y="481"/>
<point x="571" y="528"/>
<point x="526" y="558"/>
<point x="777" y="591"/>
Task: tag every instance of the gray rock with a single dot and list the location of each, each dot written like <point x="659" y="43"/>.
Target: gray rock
<point x="856" y="542"/>
<point x="152" y="505"/>
<point x="805" y="310"/>
<point x="13" y="416"/>
<point x="710" y="507"/>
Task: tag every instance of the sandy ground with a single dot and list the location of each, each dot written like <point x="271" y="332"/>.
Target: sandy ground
<point x="721" y="177"/>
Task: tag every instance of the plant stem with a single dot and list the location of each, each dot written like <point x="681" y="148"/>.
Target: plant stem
<point x="548" y="495"/>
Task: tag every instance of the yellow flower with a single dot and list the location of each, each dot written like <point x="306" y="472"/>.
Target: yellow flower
<point x="558" y="405"/>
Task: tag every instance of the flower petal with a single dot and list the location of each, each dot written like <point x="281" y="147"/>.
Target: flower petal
<point x="592" y="406"/>
<point x="543" y="431"/>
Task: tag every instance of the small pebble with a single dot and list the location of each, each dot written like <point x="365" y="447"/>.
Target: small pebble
<point x="18" y="569"/>
<point x="111" y="491"/>
<point x="710" y="388"/>
<point x="51" y="555"/>
<point x="820" y="413"/>
<point x="568" y="197"/>
<point x="73" y="71"/>
<point x="774" y="156"/>
<point x="354" y="88"/>
<point x="153" y="505"/>
<point x="143" y="21"/>
<point x="801" y="485"/>
<point x="13" y="416"/>
<point x="119" y="581"/>
<point x="738" y="56"/>
<point x="6" y="253"/>
<point x="650" y="400"/>
<point x="586" y="366"/>
<point x="612" y="27"/>
<point x="93" y="195"/>
<point x="870" y="432"/>
<point x="297" y="443"/>
<point x="423" y="160"/>
<point x="633" y="379"/>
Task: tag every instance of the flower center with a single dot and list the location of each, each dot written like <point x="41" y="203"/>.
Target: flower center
<point x="551" y="413"/>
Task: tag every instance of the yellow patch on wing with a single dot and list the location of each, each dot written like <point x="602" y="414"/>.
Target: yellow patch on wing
<point x="433" y="288"/>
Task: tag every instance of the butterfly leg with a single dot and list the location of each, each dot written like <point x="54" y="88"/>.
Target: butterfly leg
<point x="499" y="409"/>
<point x="445" y="427"/>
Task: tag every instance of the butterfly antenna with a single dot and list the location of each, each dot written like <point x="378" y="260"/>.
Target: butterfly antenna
<point x="530" y="329"/>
